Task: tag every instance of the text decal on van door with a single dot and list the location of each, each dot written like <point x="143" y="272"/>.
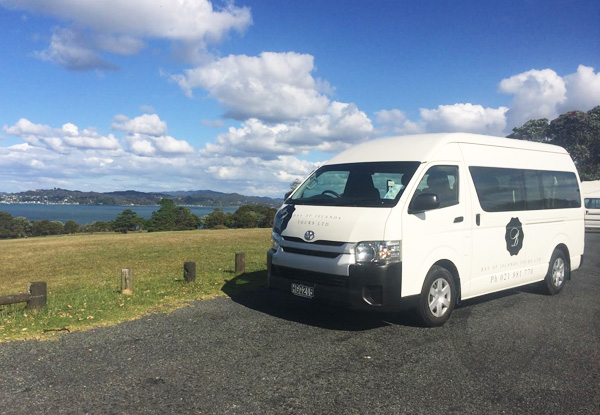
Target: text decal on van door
<point x="514" y="236"/>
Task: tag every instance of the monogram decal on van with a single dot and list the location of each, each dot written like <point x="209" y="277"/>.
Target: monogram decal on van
<point x="514" y="236"/>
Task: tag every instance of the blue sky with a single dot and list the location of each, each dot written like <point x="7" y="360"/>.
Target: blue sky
<point x="247" y="96"/>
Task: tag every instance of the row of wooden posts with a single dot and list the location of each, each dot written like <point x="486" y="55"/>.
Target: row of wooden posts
<point x="36" y="297"/>
<point x="189" y="273"/>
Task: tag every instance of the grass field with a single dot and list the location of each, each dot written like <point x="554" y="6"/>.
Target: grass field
<point x="83" y="273"/>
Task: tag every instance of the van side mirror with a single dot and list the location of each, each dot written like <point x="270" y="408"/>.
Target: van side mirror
<point x="424" y="202"/>
<point x="287" y="195"/>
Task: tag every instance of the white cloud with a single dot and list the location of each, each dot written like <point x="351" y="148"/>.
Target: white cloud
<point x="339" y="127"/>
<point x="23" y="167"/>
<point x="466" y="118"/>
<point x="395" y="121"/>
<point x="120" y="27"/>
<point x="463" y="117"/>
<point x="74" y="51"/>
<point x="146" y="135"/>
<point x="272" y="87"/>
<point x="148" y="124"/>
<point x="26" y="127"/>
<point x="583" y="89"/>
<point x="61" y="140"/>
<point x="537" y="94"/>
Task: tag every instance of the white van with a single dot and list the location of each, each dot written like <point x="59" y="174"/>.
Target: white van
<point x="429" y="220"/>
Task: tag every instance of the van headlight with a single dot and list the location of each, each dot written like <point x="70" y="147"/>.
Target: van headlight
<point x="378" y="252"/>
<point x="275" y="238"/>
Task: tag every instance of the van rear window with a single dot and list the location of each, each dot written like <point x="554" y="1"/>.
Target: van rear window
<point x="501" y="189"/>
<point x="371" y="184"/>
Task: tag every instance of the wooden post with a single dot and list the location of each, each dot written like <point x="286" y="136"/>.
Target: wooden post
<point x="37" y="291"/>
<point x="126" y="281"/>
<point x="240" y="263"/>
<point x="189" y="271"/>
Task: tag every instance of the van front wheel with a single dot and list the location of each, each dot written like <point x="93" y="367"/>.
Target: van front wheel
<point x="558" y="272"/>
<point x="437" y="297"/>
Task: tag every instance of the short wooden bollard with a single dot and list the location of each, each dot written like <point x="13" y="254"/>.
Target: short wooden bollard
<point x="189" y="271"/>
<point x="240" y="263"/>
<point x="126" y="281"/>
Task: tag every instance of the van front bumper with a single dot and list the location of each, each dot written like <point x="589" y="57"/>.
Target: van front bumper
<point x="367" y="286"/>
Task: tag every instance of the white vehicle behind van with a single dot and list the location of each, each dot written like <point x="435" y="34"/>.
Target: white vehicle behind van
<point x="592" y="213"/>
<point x="425" y="221"/>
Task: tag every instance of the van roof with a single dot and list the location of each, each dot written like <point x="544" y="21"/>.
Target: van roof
<point x="422" y="147"/>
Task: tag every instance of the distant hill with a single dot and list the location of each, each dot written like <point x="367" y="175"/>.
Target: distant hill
<point x="132" y="197"/>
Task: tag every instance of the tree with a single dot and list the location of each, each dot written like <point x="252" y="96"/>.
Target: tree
<point x="295" y="184"/>
<point x="7" y="226"/>
<point x="127" y="220"/>
<point x="71" y="227"/>
<point x="98" y="226"/>
<point x="172" y="218"/>
<point x="45" y="228"/>
<point x="216" y="218"/>
<point x="576" y="131"/>
<point x="532" y="130"/>
<point x="23" y="227"/>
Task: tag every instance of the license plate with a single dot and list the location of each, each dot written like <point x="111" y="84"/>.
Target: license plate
<point x="303" y="290"/>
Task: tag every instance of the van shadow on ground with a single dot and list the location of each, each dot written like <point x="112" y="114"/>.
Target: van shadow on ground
<point x="250" y="290"/>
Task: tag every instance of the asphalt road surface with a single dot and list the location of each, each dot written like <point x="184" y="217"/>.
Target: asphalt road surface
<point x="515" y="352"/>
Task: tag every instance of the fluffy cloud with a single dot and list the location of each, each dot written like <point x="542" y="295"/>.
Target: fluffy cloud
<point x="147" y="136"/>
<point x="465" y="117"/>
<point x="545" y="94"/>
<point x="537" y="94"/>
<point x="272" y="87"/>
<point x="583" y="89"/>
<point x="120" y="27"/>
<point x="340" y="126"/>
<point x="396" y="122"/>
<point x="446" y="118"/>
<point x="73" y="50"/>
<point x="25" y="166"/>
<point x="61" y="140"/>
<point x="147" y="124"/>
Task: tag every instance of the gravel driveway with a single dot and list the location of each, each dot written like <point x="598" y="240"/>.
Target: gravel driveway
<point x="513" y="352"/>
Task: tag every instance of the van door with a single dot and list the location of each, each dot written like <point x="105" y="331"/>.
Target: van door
<point x="437" y="234"/>
<point x="501" y="243"/>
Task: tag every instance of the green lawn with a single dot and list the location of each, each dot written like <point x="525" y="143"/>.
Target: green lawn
<point x="83" y="273"/>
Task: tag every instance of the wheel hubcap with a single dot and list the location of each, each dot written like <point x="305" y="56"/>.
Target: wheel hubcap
<point x="558" y="272"/>
<point x="439" y="297"/>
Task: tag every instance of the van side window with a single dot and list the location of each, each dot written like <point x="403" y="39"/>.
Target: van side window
<point x="592" y="203"/>
<point x="502" y="190"/>
<point x="442" y="181"/>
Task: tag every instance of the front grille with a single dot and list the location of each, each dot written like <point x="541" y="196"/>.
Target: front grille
<point x="300" y="240"/>
<point x="310" y="276"/>
<point x="308" y="252"/>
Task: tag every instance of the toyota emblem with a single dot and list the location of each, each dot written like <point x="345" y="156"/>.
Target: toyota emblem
<point x="309" y="235"/>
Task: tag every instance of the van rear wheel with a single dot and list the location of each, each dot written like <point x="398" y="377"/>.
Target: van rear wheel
<point x="437" y="297"/>
<point x="558" y="273"/>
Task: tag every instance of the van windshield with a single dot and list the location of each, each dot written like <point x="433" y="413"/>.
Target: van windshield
<point x="372" y="184"/>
